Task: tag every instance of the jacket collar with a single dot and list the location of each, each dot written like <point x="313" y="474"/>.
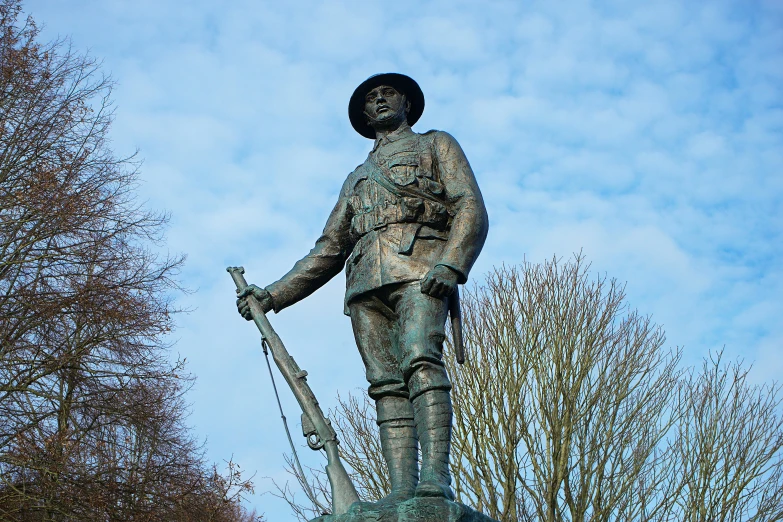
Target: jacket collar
<point x="402" y="131"/>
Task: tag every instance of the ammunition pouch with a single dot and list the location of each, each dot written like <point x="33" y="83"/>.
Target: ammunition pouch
<point x="404" y="210"/>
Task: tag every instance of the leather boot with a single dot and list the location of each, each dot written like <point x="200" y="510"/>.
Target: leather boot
<point x="400" y="449"/>
<point x="433" y="414"/>
<point x="399" y="446"/>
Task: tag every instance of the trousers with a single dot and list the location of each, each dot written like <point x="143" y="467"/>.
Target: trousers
<point x="400" y="332"/>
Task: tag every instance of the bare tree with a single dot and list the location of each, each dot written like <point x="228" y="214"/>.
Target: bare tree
<point x="91" y="408"/>
<point x="561" y="407"/>
<point x="728" y="447"/>
<point x="569" y="408"/>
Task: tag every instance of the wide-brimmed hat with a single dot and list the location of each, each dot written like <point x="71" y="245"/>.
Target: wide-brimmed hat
<point x="404" y="84"/>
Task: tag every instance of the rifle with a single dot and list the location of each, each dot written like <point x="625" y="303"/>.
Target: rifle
<point x="315" y="426"/>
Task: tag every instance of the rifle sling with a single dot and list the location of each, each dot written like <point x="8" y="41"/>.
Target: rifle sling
<point x="383" y="176"/>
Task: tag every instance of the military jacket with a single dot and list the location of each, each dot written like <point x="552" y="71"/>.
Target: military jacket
<point x="413" y="204"/>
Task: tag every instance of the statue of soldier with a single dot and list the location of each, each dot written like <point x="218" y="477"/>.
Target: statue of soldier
<point x="410" y="222"/>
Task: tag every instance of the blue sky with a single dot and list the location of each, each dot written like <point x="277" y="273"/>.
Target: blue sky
<point x="648" y="135"/>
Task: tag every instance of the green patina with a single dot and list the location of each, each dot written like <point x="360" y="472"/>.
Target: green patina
<point x="408" y="225"/>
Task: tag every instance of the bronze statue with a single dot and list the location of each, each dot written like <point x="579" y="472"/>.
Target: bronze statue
<point x="408" y="225"/>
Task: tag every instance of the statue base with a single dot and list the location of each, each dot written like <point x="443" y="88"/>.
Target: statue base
<point x="413" y="510"/>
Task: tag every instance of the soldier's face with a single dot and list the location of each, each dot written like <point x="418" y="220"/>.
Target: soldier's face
<point x="384" y="106"/>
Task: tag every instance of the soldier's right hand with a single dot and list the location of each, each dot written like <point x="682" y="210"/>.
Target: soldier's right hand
<point x="263" y="297"/>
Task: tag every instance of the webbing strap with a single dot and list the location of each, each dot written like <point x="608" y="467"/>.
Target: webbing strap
<point x="382" y="176"/>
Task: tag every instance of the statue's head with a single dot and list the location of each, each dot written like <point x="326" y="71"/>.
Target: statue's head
<point x="384" y="101"/>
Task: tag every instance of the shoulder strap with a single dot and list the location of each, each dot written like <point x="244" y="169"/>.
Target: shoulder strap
<point x="382" y="175"/>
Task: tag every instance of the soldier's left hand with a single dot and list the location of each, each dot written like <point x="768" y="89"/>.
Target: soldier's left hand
<point x="439" y="282"/>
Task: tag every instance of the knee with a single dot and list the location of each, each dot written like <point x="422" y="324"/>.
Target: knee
<point x="422" y="346"/>
<point x="427" y="375"/>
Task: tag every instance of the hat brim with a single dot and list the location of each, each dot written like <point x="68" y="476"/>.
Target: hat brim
<point x="404" y="84"/>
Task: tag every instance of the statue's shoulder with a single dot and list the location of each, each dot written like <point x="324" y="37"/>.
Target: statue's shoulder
<point x="439" y="139"/>
<point x="430" y="135"/>
<point x="437" y="135"/>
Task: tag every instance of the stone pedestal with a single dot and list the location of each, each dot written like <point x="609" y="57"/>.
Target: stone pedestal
<point x="413" y="510"/>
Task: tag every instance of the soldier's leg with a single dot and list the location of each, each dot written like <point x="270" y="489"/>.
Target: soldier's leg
<point x="422" y="331"/>
<point x="376" y="331"/>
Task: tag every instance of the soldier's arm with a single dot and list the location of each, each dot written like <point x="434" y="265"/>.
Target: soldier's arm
<point x="325" y="260"/>
<point x="470" y="223"/>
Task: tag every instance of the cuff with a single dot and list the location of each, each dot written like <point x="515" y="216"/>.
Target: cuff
<point x="462" y="278"/>
<point x="270" y="289"/>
